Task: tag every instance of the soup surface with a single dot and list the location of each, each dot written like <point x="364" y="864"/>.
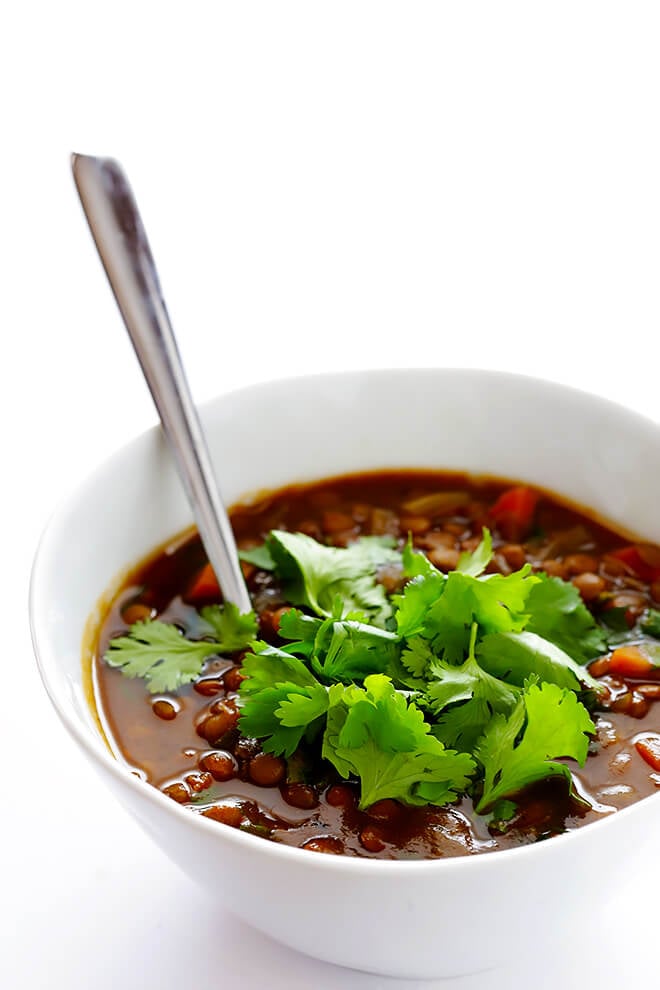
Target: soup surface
<point x="188" y="742"/>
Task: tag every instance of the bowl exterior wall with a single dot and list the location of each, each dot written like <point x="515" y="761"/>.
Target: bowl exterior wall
<point x="420" y="925"/>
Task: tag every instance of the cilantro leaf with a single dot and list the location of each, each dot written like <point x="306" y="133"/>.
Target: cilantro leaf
<point x="232" y="629"/>
<point x="403" y="674"/>
<point x="495" y="602"/>
<point x="302" y="629"/>
<point x="417" y="656"/>
<point x="650" y="623"/>
<point x="476" y="563"/>
<point x="161" y="654"/>
<point x="340" y="649"/>
<point x="618" y="632"/>
<point x="269" y="666"/>
<point x="452" y="682"/>
<point x="282" y="701"/>
<point x="557" y="612"/>
<point x="260" y="556"/>
<point x="614" y="619"/>
<point x="348" y="650"/>
<point x="514" y="656"/>
<point x="377" y="734"/>
<point x="294" y="624"/>
<point x="557" y="725"/>
<point x="316" y="575"/>
<point x="415" y="601"/>
<point x="615" y="627"/>
<point x="416" y="563"/>
<point x="502" y="812"/>
<point x="283" y="715"/>
<point x="462" y="724"/>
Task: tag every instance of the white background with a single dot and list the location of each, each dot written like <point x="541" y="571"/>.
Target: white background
<point x="325" y="186"/>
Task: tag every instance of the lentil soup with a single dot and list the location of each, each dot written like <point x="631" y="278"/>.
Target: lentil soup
<point x="188" y="742"/>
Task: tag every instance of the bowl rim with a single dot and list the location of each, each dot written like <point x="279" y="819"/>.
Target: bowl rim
<point x="96" y="750"/>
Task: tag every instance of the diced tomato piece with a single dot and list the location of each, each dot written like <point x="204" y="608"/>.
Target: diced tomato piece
<point x="204" y="587"/>
<point x="649" y="749"/>
<point x="514" y="512"/>
<point x="633" y="559"/>
<point x="630" y="661"/>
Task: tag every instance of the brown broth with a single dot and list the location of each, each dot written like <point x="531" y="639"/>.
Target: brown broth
<point x="168" y="752"/>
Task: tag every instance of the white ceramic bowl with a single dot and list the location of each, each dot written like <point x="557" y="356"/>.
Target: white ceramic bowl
<point x="414" y="919"/>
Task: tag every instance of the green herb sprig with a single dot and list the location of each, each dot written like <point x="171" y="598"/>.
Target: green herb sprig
<point x="466" y="682"/>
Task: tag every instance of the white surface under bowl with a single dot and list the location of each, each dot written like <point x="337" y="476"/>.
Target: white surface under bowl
<point x="414" y="919"/>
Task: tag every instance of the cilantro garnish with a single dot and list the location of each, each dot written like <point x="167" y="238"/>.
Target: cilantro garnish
<point x="259" y="556"/>
<point x="378" y="735"/>
<point x="317" y="576"/>
<point x="474" y="564"/>
<point x="349" y="650"/>
<point x="481" y="695"/>
<point x="650" y="623"/>
<point x="557" y="612"/>
<point x="414" y="604"/>
<point x="556" y="725"/>
<point x="339" y="649"/>
<point x="494" y="602"/>
<point x="283" y="700"/>
<point x="230" y="629"/>
<point x="514" y="656"/>
<point x="617" y="630"/>
<point x="502" y="812"/>
<point x="161" y="654"/>
<point x="462" y="683"/>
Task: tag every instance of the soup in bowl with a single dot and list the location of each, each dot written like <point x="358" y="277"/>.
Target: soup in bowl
<point x="505" y="492"/>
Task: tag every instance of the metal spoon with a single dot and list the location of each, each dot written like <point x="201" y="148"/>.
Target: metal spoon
<point x="122" y="244"/>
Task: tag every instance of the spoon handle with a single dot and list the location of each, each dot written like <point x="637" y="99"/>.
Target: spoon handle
<point x="121" y="241"/>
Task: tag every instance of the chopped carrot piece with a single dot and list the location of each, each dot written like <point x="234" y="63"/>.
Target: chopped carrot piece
<point x="630" y="661"/>
<point x="633" y="559"/>
<point x="204" y="587"/>
<point x="514" y="512"/>
<point x="649" y="749"/>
